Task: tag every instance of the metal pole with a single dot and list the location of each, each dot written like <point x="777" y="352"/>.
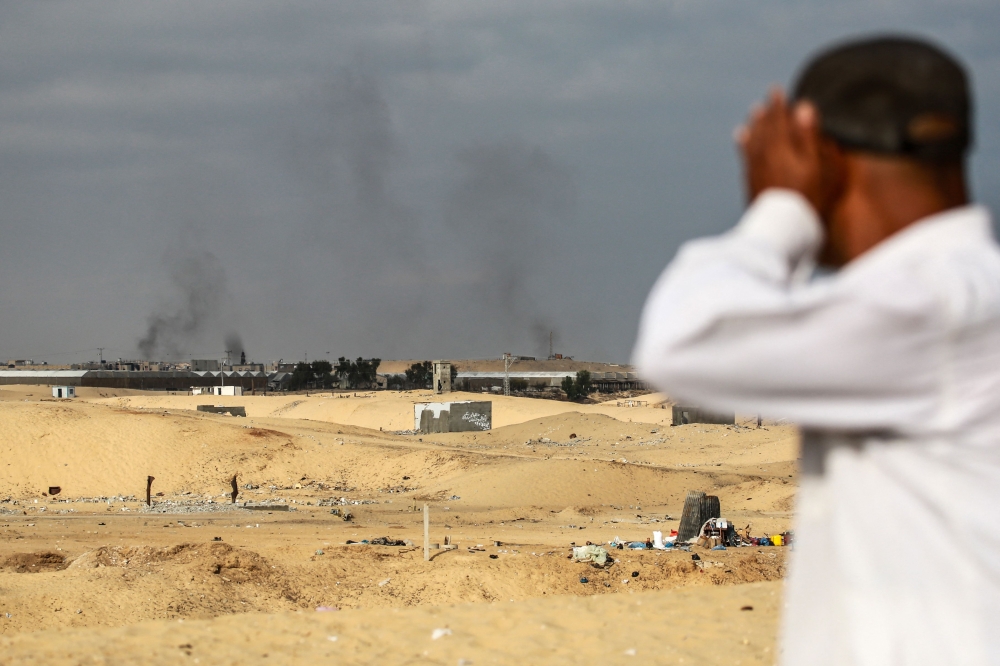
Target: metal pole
<point x="427" y="533"/>
<point x="506" y="374"/>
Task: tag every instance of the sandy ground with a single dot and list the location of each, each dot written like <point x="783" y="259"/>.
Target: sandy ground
<point x="92" y="573"/>
<point x="719" y="625"/>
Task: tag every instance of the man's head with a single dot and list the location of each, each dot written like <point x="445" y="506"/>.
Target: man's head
<point x="875" y="136"/>
<point x="890" y="96"/>
<point x="895" y="117"/>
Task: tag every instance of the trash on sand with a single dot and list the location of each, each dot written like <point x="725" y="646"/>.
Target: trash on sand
<point x="493" y="556"/>
<point x="637" y="545"/>
<point x="590" y="553"/>
<point x="332" y="638"/>
<point x="319" y="552"/>
<point x="383" y="583"/>
<point x="635" y="574"/>
<point x="386" y="541"/>
<point x="695" y="557"/>
<point x="584" y="580"/>
<point x="326" y="609"/>
<point x="719" y="547"/>
<point x="661" y="543"/>
<point x="746" y="608"/>
<point x="438" y="633"/>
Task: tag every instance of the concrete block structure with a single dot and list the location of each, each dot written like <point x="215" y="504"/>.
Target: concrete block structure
<point x="221" y="409"/>
<point x="685" y="415"/>
<point x="442" y="376"/>
<point x="465" y="416"/>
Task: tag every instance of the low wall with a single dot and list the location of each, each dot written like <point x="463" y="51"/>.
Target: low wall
<point x="465" y="416"/>
<point x="219" y="409"/>
<point x="684" y="415"/>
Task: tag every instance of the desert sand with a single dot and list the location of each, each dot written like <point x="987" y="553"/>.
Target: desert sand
<point x="91" y="575"/>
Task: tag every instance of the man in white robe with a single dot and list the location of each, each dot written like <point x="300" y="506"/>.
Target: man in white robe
<point x="891" y="364"/>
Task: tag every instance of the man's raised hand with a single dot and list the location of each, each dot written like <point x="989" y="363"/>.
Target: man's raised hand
<point x="781" y="146"/>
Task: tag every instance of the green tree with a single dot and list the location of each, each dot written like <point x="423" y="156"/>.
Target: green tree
<point x="301" y="377"/>
<point x="420" y="375"/>
<point x="360" y="374"/>
<point x="321" y="370"/>
<point x="578" y="388"/>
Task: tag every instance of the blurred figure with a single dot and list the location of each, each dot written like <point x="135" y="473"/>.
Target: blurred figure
<point x="891" y="364"/>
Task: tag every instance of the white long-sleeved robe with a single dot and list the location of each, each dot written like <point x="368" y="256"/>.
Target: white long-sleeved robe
<point x="892" y="368"/>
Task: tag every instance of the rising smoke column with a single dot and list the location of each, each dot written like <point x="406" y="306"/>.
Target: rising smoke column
<point x="509" y="197"/>
<point x="385" y="266"/>
<point x="234" y="345"/>
<point x="198" y="286"/>
<point x="344" y="151"/>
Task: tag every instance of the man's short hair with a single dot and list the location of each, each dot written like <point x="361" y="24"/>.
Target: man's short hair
<point x="893" y="95"/>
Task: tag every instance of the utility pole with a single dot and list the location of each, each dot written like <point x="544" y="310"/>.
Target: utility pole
<point x="222" y="373"/>
<point x="507" y="362"/>
<point x="100" y="351"/>
<point x="551" y="355"/>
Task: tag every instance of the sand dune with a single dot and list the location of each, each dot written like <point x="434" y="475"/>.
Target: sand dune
<point x="550" y="474"/>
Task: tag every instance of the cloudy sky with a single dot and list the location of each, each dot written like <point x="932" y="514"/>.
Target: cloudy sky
<point x="412" y="179"/>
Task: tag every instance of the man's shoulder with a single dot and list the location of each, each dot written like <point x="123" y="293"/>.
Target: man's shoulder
<point x="951" y="258"/>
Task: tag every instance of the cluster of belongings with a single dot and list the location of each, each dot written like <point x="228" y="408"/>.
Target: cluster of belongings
<point x="721" y="532"/>
<point x="658" y="542"/>
<point x="718" y="532"/>
<point x="783" y="539"/>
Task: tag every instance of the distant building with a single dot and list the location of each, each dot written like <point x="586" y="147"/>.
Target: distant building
<point x="204" y="365"/>
<point x="442" y="376"/>
<point x="604" y="382"/>
<point x="246" y="367"/>
<point x="121" y="379"/>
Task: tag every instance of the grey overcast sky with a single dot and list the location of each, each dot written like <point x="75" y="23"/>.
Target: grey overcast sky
<point x="412" y="179"/>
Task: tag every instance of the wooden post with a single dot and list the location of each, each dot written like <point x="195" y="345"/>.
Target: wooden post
<point x="149" y="487"/>
<point x="427" y="533"/>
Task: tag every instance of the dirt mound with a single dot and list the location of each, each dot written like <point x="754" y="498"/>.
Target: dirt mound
<point x="233" y="564"/>
<point x="32" y="562"/>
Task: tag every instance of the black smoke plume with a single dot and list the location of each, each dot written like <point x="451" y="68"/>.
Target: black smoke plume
<point x="234" y="345"/>
<point x="198" y="282"/>
<point x="510" y="197"/>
